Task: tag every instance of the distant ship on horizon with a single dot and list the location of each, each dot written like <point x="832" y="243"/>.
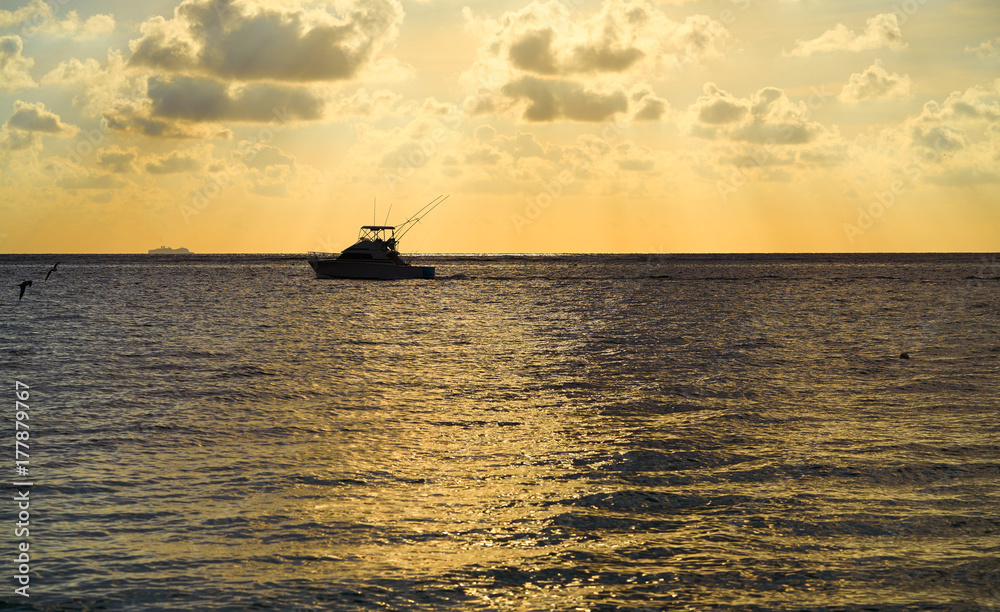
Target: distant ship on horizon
<point x="165" y="250"/>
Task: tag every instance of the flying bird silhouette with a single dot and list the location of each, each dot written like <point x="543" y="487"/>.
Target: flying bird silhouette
<point x="23" y="286"/>
<point x="52" y="270"/>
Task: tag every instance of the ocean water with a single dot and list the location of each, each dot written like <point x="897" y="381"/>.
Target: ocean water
<point x="521" y="433"/>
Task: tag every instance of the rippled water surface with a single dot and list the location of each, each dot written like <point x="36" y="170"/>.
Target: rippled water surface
<point x="521" y="433"/>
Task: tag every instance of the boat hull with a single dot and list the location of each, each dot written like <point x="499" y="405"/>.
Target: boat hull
<point x="333" y="268"/>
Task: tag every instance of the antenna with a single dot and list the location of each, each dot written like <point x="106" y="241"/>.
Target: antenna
<point x="373" y="212"/>
<point x="387" y="214"/>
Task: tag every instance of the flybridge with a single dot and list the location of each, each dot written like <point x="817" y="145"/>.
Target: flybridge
<point x="387" y="233"/>
<point x="379" y="233"/>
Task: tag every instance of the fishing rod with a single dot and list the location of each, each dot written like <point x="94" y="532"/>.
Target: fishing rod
<point x="386" y="222"/>
<point x="423" y="212"/>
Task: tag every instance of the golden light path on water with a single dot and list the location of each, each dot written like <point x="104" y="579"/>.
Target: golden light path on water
<point x="562" y="432"/>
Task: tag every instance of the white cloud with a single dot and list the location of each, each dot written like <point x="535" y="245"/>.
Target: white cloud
<point x="14" y="67"/>
<point x="21" y="15"/>
<point x="881" y="31"/>
<point x="39" y="17"/>
<point x="989" y="49"/>
<point x="972" y="105"/>
<point x="73" y="27"/>
<point x="875" y="83"/>
<point x="72" y="72"/>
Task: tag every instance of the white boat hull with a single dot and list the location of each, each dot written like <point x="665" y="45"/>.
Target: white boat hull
<point x="334" y="268"/>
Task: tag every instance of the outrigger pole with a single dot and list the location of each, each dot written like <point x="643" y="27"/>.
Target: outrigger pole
<point x="423" y="212"/>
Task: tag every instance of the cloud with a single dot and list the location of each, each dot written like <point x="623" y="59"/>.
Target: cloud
<point x="175" y="107"/>
<point x="38" y="17"/>
<point x="940" y="138"/>
<point x="133" y="118"/>
<point x="875" y="83"/>
<point x="261" y="156"/>
<point x="364" y="104"/>
<point x="533" y="52"/>
<point x="90" y="180"/>
<point x="648" y="106"/>
<point x="117" y="160"/>
<point x="720" y="107"/>
<point x="952" y="143"/>
<point x="965" y="177"/>
<point x="104" y="87"/>
<point x="881" y="31"/>
<point x="974" y="104"/>
<point x="222" y="61"/>
<point x="200" y="99"/>
<point x="14" y="67"/>
<point x="989" y="49"/>
<point x="569" y="66"/>
<point x="174" y="162"/>
<point x="615" y="39"/>
<point x="247" y="41"/>
<point x="72" y="71"/>
<point x="270" y="170"/>
<point x="19" y="16"/>
<point x="77" y="29"/>
<point x="29" y="117"/>
<point x="550" y="100"/>
<point x="766" y="117"/>
<point x="16" y="140"/>
<point x="632" y="158"/>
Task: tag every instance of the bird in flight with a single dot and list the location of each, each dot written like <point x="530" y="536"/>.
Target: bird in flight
<point x="23" y="286"/>
<point x="52" y="270"/>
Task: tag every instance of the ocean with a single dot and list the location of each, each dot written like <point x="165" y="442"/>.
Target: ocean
<point x="551" y="432"/>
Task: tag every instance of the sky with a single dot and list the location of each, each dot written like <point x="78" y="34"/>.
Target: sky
<point x="554" y="126"/>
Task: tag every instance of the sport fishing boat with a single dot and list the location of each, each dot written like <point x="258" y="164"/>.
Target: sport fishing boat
<point x="375" y="255"/>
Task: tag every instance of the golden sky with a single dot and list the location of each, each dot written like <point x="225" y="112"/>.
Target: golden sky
<point x="555" y="126"/>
